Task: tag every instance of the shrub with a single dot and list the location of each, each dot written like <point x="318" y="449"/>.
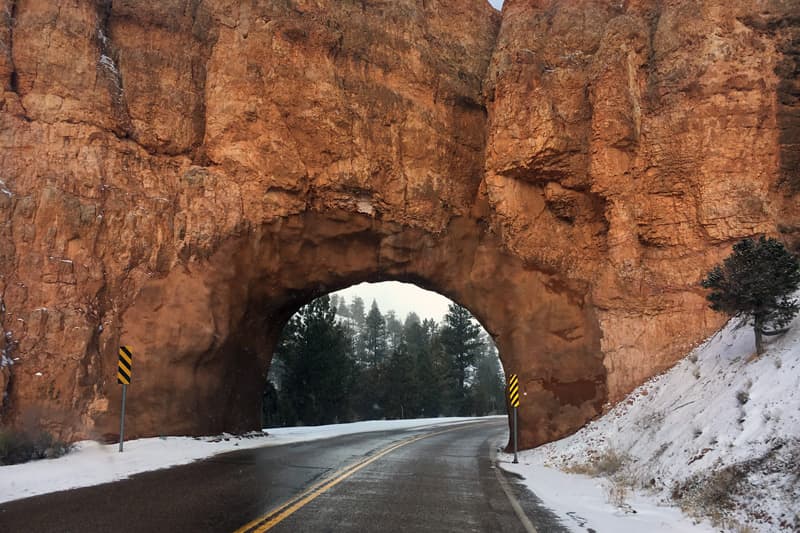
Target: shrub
<point x="607" y="463"/>
<point x="709" y="494"/>
<point x="610" y="463"/>
<point x="742" y="397"/>
<point x="21" y="446"/>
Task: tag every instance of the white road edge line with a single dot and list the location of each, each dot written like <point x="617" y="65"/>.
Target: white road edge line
<point x="526" y="523"/>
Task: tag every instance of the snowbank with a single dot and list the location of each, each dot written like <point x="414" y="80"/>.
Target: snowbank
<point x="719" y="435"/>
<point x="583" y="503"/>
<point x="92" y="463"/>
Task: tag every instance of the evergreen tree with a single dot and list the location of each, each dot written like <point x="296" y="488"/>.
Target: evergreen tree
<point x="461" y="341"/>
<point x="756" y="280"/>
<point x="375" y="336"/>
<point x="401" y="386"/>
<point x="367" y="399"/>
<point x="411" y="318"/>
<point x="451" y="398"/>
<point x="372" y="351"/>
<point x="359" y="321"/>
<point x="357" y="311"/>
<point x="431" y="328"/>
<point x="348" y="326"/>
<point x="317" y="373"/>
<point x="394" y="330"/>
<point x="488" y="391"/>
<point x="417" y="337"/>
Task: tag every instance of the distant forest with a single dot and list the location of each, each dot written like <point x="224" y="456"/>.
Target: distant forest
<point x="336" y="362"/>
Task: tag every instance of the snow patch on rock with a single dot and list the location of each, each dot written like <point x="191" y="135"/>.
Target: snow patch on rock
<point x="5" y="190"/>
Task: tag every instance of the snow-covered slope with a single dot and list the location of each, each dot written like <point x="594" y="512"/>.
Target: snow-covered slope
<point x="718" y="435"/>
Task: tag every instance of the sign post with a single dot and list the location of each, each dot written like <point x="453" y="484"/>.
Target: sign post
<point x="513" y="400"/>
<point x="124" y="378"/>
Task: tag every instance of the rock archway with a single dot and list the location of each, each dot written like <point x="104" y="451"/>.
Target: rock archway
<point x="205" y="334"/>
<point x="182" y="175"/>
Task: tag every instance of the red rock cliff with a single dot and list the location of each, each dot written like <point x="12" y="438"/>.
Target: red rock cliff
<point x="182" y="175"/>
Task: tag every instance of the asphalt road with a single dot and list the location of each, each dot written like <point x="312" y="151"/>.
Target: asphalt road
<point x="434" y="479"/>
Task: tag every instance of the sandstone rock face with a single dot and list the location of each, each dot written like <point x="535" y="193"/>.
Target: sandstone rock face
<point x="181" y="176"/>
<point x="645" y="137"/>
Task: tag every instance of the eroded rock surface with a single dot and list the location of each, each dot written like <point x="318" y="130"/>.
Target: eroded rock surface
<point x="181" y="176"/>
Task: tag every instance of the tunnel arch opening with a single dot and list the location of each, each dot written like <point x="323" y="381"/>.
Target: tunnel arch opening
<point x="351" y="356"/>
<point x="206" y="332"/>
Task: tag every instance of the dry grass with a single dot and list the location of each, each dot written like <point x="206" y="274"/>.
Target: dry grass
<point x="722" y="495"/>
<point x="606" y="463"/>
<point x="613" y="466"/>
<point x="709" y="495"/>
<point x="617" y="492"/>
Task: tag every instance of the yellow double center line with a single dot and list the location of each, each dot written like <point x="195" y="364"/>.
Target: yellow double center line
<point x="276" y="516"/>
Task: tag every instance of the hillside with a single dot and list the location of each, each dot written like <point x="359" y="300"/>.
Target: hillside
<point x="718" y="435"/>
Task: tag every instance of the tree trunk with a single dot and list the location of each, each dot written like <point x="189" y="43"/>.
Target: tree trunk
<point x="757" y="323"/>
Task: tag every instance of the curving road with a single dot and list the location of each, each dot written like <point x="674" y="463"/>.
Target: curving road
<point x="434" y="479"/>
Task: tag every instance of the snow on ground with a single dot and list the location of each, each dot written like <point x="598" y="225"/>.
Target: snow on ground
<point x="582" y="503"/>
<point x="718" y="435"/>
<point x="91" y="463"/>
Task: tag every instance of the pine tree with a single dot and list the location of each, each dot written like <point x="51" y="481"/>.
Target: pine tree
<point x="756" y="280"/>
<point x="401" y="386"/>
<point x="375" y="336"/>
<point x="417" y="337"/>
<point x="317" y="373"/>
<point x="488" y="388"/>
<point x="343" y="310"/>
<point x="461" y="341"/>
<point x="450" y="396"/>
<point x="359" y="322"/>
<point x="357" y="310"/>
<point x="394" y="330"/>
<point x="367" y="399"/>
<point x="411" y="318"/>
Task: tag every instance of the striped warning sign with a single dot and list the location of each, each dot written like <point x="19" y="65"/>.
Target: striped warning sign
<point x="513" y="390"/>
<point x="124" y="367"/>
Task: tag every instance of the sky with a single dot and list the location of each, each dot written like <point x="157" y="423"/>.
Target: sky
<point x="402" y="297"/>
<point x="496" y="3"/>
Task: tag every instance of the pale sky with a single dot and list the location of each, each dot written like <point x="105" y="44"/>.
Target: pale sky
<point x="496" y="3"/>
<point x="402" y="297"/>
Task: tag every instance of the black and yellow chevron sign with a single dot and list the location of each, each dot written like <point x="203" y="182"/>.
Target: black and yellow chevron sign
<point x="124" y="367"/>
<point x="513" y="390"/>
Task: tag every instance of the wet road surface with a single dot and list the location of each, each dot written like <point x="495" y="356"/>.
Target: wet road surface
<point x="432" y="479"/>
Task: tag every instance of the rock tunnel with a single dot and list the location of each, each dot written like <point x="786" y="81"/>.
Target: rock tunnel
<point x="181" y="176"/>
<point x="200" y="330"/>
